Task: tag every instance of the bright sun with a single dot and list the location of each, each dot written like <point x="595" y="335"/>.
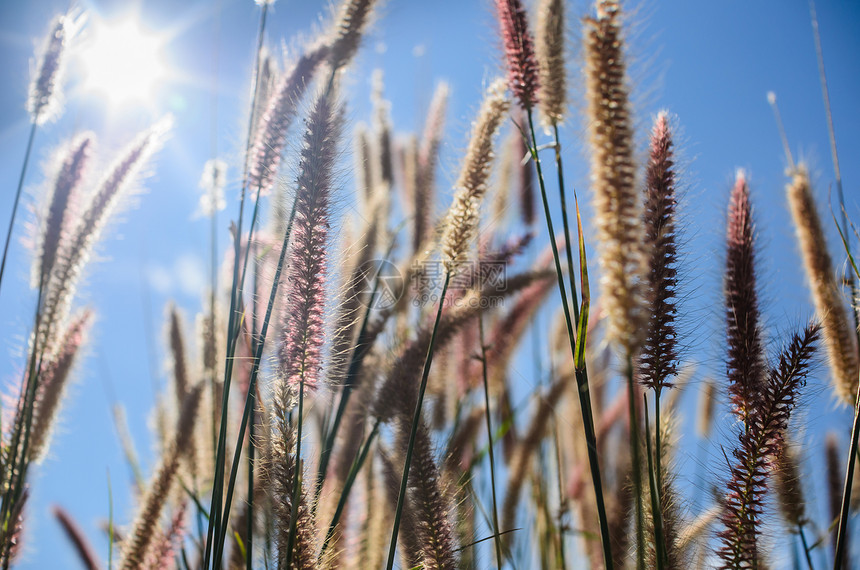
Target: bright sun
<point x="122" y="62"/>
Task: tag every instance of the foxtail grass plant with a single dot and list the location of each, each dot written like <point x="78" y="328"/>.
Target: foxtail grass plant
<point x="460" y="226"/>
<point x="44" y="102"/>
<point x="524" y="81"/>
<point x="372" y="408"/>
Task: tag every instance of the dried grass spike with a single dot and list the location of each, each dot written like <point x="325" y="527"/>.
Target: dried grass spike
<point x="44" y="101"/>
<point x="839" y="339"/>
<point x="352" y="18"/>
<point x="75" y="252"/>
<point x="428" y="157"/>
<point x="136" y="546"/>
<point x="550" y="57"/>
<point x="54" y="378"/>
<point x="62" y="203"/>
<point x="462" y="219"/>
<point x="265" y="155"/>
<point x="760" y="443"/>
<point x="613" y="174"/>
<point x="73" y="531"/>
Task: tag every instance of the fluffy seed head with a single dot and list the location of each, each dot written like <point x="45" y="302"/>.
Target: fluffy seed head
<point x="265" y="155"/>
<point x="54" y="378"/>
<point x="212" y="182"/>
<point x="136" y="545"/>
<point x="519" y="51"/>
<point x="461" y="222"/>
<point x="75" y="251"/>
<point x="761" y="441"/>
<point x="353" y="16"/>
<point x="44" y="101"/>
<point x="303" y="321"/>
<point x="789" y="487"/>
<point x="613" y="175"/>
<point x="62" y="202"/>
<point x="550" y="58"/>
<point x="829" y="306"/>
<point x="428" y="157"/>
<point x="745" y="367"/>
<point x="658" y="362"/>
<point x="707" y="404"/>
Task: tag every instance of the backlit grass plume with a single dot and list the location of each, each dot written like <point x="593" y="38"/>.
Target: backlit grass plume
<point x="658" y="361"/>
<point x="136" y="545"/>
<point x="461" y="222"/>
<point x="63" y="200"/>
<point x="54" y="378"/>
<point x="552" y="74"/>
<point x="839" y="339"/>
<point x="270" y="136"/>
<point x="745" y="366"/>
<point x="305" y="296"/>
<point x="352" y="17"/>
<point x="282" y="472"/>
<point x="213" y="180"/>
<point x="759" y="445"/>
<point x="789" y="487"/>
<point x="613" y="176"/>
<point x="519" y="51"/>
<point x="428" y="158"/>
<point x="430" y="504"/>
<point x="45" y="99"/>
<point x="75" y="249"/>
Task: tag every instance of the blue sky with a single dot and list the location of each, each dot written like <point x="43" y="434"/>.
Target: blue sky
<point x="709" y="63"/>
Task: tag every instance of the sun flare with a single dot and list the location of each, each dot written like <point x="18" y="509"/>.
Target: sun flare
<point x="122" y="62"/>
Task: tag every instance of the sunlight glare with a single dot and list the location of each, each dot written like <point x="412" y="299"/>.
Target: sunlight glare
<point x="122" y="62"/>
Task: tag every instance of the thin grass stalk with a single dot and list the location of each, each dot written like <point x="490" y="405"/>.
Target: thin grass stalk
<point x="416" y="420"/>
<point x="255" y="369"/>
<point x="27" y="153"/>
<point x="581" y="374"/>
<point x="215" y="510"/>
<point x="635" y="454"/>
<point x="249" y="540"/>
<point x="658" y="444"/>
<point x="568" y="247"/>
<point x="562" y="500"/>
<point x="806" y="550"/>
<point x="297" y="477"/>
<point x="347" y="487"/>
<point x="656" y="511"/>
<point x="496" y="538"/>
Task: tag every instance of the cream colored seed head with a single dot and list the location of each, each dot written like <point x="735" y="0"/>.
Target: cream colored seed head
<point x="829" y="305"/>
